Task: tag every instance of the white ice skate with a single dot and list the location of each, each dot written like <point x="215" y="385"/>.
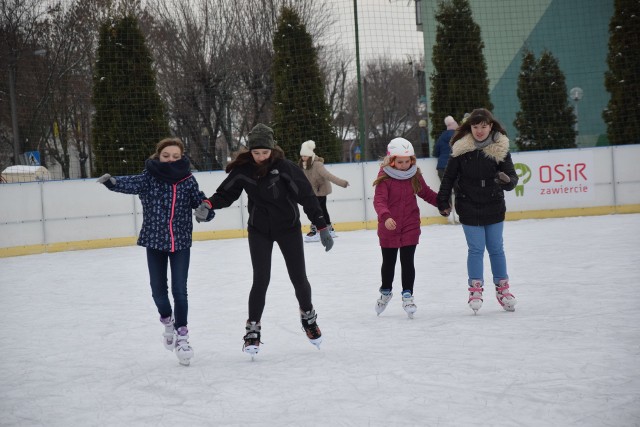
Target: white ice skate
<point x="251" y="339"/>
<point x="183" y="349"/>
<point x="475" y="295"/>
<point x="169" y="334"/>
<point x="505" y="298"/>
<point x="408" y="304"/>
<point x="382" y="302"/>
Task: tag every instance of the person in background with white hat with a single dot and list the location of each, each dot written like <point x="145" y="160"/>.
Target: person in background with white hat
<point x="320" y="179"/>
<point x="442" y="151"/>
<point x="398" y="185"/>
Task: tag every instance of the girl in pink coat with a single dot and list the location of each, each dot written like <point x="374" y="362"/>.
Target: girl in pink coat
<point x="399" y="182"/>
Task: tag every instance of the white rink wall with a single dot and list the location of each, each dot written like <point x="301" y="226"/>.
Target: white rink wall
<point x="77" y="214"/>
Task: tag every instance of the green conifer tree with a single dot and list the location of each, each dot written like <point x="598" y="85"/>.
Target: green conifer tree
<point x="300" y="111"/>
<point x="545" y="120"/>
<point x="129" y="117"/>
<point x="622" y="80"/>
<point x="459" y="80"/>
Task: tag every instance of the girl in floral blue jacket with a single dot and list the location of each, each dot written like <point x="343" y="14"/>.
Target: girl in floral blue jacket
<point x="168" y="192"/>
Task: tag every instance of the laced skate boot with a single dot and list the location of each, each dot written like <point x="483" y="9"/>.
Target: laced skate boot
<point x="505" y="298"/>
<point x="475" y="295"/>
<point x="251" y="339"/>
<point x="313" y="235"/>
<point x="183" y="349"/>
<point x="408" y="304"/>
<point x="310" y="326"/>
<point x="385" y="297"/>
<point x="169" y="334"/>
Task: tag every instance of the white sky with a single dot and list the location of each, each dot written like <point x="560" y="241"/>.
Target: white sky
<point x="82" y="343"/>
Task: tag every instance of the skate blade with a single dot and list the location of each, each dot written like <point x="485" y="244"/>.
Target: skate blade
<point x="316" y="342"/>
<point x="251" y="350"/>
<point x="185" y="362"/>
<point x="410" y="315"/>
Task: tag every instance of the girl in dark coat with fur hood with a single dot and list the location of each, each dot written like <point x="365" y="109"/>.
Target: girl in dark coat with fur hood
<point x="480" y="170"/>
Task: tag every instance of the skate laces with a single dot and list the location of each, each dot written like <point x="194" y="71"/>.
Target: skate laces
<point x="252" y="337"/>
<point x="475" y="290"/>
<point x="407" y="299"/>
<point x="506" y="299"/>
<point x="385" y="296"/>
<point x="308" y="319"/>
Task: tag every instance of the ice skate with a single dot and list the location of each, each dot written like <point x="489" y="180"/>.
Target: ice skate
<point x="169" y="334"/>
<point x="505" y="298"/>
<point x="312" y="235"/>
<point x="332" y="231"/>
<point x="408" y="304"/>
<point x="183" y="349"/>
<point x="475" y="295"/>
<point x="385" y="297"/>
<point x="251" y="339"/>
<point x="310" y="326"/>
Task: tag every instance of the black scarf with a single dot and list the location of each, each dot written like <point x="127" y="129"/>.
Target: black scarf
<point x="169" y="172"/>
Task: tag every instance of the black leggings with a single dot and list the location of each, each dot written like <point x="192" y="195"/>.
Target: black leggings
<point x="323" y="206"/>
<point x="291" y="246"/>
<point x="389" y="256"/>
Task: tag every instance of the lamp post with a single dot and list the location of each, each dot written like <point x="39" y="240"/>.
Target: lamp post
<point x="576" y="94"/>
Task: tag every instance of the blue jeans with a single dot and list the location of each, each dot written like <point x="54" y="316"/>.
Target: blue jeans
<point x="479" y="238"/>
<point x="157" y="261"/>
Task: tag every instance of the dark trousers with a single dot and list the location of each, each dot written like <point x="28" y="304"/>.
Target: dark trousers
<point x="261" y="248"/>
<point x="323" y="206"/>
<point x="158" y="261"/>
<point x="389" y="256"/>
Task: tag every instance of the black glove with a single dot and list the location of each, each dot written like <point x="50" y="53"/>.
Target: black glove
<point x="202" y="212"/>
<point x="107" y="180"/>
<point x="502" y="178"/>
<point x="326" y="239"/>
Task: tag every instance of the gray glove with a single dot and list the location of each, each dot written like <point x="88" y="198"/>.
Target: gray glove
<point x="502" y="178"/>
<point x="326" y="239"/>
<point x="202" y="212"/>
<point x="107" y="178"/>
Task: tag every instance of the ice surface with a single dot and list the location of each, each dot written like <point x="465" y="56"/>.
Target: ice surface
<point x="81" y="342"/>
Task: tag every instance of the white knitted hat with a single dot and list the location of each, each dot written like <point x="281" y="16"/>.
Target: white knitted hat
<point x="307" y="148"/>
<point x="450" y="122"/>
<point x="400" y="147"/>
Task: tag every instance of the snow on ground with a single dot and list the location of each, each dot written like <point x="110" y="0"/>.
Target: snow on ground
<point x="82" y="344"/>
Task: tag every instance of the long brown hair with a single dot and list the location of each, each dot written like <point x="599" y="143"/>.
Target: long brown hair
<point x="167" y="142"/>
<point x="477" y="116"/>
<point x="245" y="157"/>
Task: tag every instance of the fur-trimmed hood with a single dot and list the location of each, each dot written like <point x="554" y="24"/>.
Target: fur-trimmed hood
<point x="497" y="150"/>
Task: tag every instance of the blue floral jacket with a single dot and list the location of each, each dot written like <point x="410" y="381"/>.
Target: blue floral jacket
<point x="168" y="193"/>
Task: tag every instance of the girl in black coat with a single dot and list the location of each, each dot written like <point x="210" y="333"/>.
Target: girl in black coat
<point x="275" y="186"/>
<point x="480" y="169"/>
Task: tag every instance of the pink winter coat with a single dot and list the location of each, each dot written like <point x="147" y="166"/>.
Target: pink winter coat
<point x="394" y="198"/>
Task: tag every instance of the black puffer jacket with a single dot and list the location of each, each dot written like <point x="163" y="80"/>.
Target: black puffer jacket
<point x="273" y="199"/>
<point x="471" y="173"/>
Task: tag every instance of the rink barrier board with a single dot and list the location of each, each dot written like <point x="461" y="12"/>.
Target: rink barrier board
<point x="53" y="216"/>
<point x="370" y="225"/>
